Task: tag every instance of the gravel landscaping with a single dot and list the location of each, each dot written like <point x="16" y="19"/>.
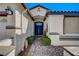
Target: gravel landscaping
<point x="37" y="49"/>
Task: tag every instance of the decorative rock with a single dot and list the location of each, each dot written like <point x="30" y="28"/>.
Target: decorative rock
<point x="37" y="49"/>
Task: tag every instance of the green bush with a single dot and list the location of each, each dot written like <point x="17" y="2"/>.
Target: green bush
<point x="31" y="39"/>
<point x="46" y="41"/>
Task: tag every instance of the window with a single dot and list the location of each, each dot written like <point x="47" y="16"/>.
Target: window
<point x="39" y="24"/>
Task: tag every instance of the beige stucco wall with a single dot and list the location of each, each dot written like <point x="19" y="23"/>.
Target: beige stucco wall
<point x="3" y="22"/>
<point x="30" y="28"/>
<point x="46" y="27"/>
<point x="22" y="34"/>
<point x="27" y="28"/>
<point x="27" y="24"/>
<point x="55" y="23"/>
<point x="10" y="20"/>
<point x="55" y="40"/>
<point x="20" y="20"/>
<point x="24" y="22"/>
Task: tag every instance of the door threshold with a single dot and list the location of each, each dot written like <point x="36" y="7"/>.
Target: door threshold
<point x="39" y="35"/>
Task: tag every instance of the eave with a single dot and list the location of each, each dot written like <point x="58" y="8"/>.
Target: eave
<point x="39" y="6"/>
<point x="75" y="13"/>
<point x="27" y="11"/>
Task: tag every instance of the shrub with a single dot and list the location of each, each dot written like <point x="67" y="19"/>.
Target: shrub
<point x="31" y="39"/>
<point x="46" y="41"/>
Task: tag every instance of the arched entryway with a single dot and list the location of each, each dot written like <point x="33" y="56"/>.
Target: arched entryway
<point x="38" y="28"/>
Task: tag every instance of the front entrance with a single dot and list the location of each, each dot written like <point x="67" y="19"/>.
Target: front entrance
<point x="38" y="28"/>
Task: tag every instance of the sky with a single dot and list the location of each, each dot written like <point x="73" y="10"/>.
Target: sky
<point x="57" y="6"/>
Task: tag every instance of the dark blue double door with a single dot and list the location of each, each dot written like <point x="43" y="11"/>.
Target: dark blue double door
<point x="38" y="28"/>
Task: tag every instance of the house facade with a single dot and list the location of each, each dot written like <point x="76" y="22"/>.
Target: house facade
<point x="63" y="27"/>
<point x="17" y="22"/>
<point x="60" y="26"/>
